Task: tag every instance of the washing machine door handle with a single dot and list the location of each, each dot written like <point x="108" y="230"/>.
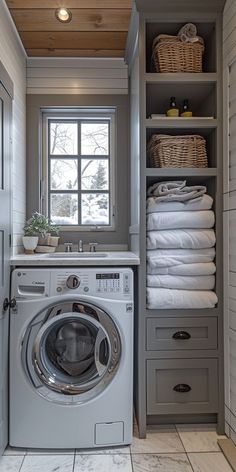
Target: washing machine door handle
<point x="101" y="337"/>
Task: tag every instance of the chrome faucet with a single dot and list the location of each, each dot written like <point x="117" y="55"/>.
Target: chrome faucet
<point x="68" y="247"/>
<point x="80" y="246"/>
<point x="92" y="247"/>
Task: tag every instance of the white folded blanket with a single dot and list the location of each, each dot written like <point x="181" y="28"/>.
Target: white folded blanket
<point x="167" y="299"/>
<point x="180" y="219"/>
<point x="199" y="268"/>
<point x="173" y="257"/>
<point x="176" y="191"/>
<point x="200" y="282"/>
<point x="203" y="203"/>
<point x="181" y="238"/>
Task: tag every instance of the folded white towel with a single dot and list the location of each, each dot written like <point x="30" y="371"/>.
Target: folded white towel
<point x="200" y="282"/>
<point x="173" y="257"/>
<point x="203" y="203"/>
<point x="188" y="33"/>
<point x="176" y="191"/>
<point x="180" y="219"/>
<point x="167" y="299"/>
<point x="181" y="238"/>
<point x="199" y="268"/>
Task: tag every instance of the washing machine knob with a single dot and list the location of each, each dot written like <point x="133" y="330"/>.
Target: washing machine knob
<point x="73" y="282"/>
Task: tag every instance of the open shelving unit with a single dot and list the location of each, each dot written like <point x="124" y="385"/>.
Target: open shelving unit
<point x="160" y="362"/>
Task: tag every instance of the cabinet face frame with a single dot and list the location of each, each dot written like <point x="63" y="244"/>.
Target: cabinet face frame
<point x="149" y="175"/>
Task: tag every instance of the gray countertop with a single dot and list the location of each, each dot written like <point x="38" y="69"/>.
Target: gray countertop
<point x="118" y="258"/>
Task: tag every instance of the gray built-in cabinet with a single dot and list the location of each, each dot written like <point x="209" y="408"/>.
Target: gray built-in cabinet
<point x="164" y="364"/>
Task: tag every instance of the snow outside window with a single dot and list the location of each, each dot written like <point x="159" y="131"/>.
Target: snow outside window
<point x="79" y="171"/>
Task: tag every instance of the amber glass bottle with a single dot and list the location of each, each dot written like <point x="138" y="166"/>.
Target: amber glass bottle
<point x="173" y="111"/>
<point x="186" y="113"/>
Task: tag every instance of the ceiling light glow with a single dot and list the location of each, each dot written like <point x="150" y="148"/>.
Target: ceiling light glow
<point x="64" y="15"/>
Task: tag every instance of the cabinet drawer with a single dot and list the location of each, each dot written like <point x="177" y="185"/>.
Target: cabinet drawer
<point x="182" y="386"/>
<point x="181" y="333"/>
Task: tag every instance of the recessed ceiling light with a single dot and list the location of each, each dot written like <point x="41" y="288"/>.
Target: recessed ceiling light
<point x="64" y="15"/>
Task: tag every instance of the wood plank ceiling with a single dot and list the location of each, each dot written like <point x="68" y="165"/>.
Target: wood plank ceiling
<point x="98" y="27"/>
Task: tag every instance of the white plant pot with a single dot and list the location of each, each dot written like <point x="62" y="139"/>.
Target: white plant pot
<point x="30" y="243"/>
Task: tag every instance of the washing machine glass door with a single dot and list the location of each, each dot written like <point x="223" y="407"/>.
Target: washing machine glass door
<point x="74" y="352"/>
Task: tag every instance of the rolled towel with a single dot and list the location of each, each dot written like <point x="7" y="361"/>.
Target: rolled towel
<point x="176" y="191"/>
<point x="188" y="33"/>
<point x="198" y="268"/>
<point x="167" y="299"/>
<point x="182" y="282"/>
<point x="202" y="203"/>
<point x="180" y="220"/>
<point x="173" y="257"/>
<point x="181" y="239"/>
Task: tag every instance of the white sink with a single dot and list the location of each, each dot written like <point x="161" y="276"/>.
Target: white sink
<point x="77" y="255"/>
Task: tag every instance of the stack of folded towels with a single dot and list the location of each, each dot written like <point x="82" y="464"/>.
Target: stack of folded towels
<point x="180" y="247"/>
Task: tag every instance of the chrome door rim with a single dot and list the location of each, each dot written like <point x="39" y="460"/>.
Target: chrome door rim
<point x="47" y="377"/>
<point x="101" y="320"/>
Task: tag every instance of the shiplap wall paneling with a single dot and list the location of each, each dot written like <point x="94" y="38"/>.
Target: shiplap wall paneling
<point x="229" y="74"/>
<point x="232" y="126"/>
<point x="232" y="354"/>
<point x="229" y="26"/>
<point x="226" y="319"/>
<point x="14" y="60"/>
<point x="77" y="76"/>
<point x="232" y="240"/>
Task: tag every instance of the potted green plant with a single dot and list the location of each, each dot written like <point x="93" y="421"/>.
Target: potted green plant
<point x="30" y="238"/>
<point x="38" y="229"/>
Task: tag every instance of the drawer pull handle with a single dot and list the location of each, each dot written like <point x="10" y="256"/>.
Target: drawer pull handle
<point x="181" y="335"/>
<point x="182" y="388"/>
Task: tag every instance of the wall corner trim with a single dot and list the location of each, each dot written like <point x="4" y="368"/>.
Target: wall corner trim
<point x="6" y="80"/>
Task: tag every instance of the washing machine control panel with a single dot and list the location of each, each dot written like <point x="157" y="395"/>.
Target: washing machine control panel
<point x="108" y="282"/>
<point x="95" y="282"/>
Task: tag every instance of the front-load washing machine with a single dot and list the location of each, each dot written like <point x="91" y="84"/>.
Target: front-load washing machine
<point x="71" y="357"/>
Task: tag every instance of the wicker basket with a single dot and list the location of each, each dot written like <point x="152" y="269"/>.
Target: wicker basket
<point x="177" y="151"/>
<point x="170" y="54"/>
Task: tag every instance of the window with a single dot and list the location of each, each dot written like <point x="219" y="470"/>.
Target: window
<point x="78" y="170"/>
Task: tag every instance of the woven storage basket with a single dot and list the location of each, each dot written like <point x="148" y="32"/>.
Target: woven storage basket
<point x="170" y="54"/>
<point x="177" y="151"/>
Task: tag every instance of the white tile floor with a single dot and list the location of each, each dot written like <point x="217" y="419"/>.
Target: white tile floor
<point x="176" y="448"/>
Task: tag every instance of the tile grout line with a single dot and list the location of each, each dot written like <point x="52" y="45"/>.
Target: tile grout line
<point x="22" y="462"/>
<point x="184" y="447"/>
<point x="190" y="460"/>
<point x="172" y="453"/>
<point x="131" y="459"/>
<point x="73" y="467"/>
<point x="180" y="438"/>
<point x="203" y="452"/>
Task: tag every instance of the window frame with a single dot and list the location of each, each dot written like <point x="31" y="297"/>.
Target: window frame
<point x="88" y="114"/>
